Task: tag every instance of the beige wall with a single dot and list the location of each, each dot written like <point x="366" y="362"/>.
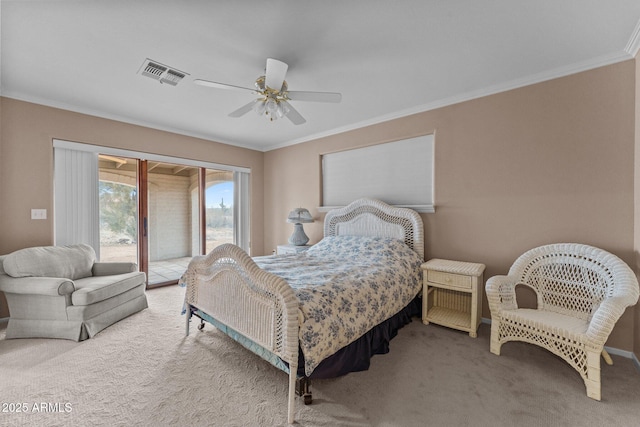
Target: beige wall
<point x="26" y="165"/>
<point x="550" y="162"/>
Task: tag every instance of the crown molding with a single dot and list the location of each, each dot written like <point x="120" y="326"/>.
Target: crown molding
<point x="633" y="46"/>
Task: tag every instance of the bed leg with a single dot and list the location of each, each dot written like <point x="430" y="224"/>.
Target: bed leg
<point x="303" y="388"/>
<point x="292" y="396"/>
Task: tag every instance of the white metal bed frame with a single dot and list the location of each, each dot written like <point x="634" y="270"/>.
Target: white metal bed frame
<point x="229" y="290"/>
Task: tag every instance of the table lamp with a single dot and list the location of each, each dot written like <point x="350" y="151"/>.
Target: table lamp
<point x="299" y="216"/>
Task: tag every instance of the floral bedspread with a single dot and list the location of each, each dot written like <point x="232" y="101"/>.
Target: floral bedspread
<point x="346" y="285"/>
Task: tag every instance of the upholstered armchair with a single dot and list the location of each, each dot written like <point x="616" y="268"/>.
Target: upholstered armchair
<point x="62" y="292"/>
<point x="581" y="293"/>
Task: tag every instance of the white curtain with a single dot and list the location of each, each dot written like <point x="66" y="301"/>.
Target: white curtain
<point x="241" y="210"/>
<point x="76" y="204"/>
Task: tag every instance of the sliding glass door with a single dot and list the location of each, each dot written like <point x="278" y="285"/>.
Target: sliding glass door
<point x="118" y="198"/>
<point x="156" y="212"/>
<point x="173" y="229"/>
<point x="169" y="211"/>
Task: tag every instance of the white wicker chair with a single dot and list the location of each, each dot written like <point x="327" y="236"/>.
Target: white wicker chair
<point x="581" y="293"/>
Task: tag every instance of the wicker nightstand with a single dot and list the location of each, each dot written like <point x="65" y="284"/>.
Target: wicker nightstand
<point x="291" y="249"/>
<point x="451" y="294"/>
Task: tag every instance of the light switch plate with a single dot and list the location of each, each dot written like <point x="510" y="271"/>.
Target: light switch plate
<point x="38" y="214"/>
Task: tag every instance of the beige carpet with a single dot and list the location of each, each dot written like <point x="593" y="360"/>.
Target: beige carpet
<point x="144" y="372"/>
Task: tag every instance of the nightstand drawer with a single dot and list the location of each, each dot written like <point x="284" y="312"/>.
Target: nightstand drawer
<point x="449" y="279"/>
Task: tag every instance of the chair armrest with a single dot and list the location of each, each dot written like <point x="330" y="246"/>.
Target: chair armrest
<point x="501" y="293"/>
<point x="605" y="318"/>
<point x="50" y="286"/>
<point x="111" y="268"/>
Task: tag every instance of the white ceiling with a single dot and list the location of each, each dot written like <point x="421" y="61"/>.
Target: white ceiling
<point x="388" y="58"/>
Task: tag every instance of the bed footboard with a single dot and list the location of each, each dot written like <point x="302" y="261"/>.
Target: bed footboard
<point x="227" y="285"/>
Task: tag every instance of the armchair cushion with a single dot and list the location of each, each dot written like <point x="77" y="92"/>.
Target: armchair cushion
<point x="72" y="262"/>
<point x="548" y="320"/>
<point x="98" y="288"/>
<point x="109" y="268"/>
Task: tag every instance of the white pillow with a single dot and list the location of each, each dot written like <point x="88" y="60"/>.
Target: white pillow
<point x="70" y="262"/>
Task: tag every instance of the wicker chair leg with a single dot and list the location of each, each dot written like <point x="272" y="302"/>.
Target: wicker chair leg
<point x="605" y="355"/>
<point x="592" y="382"/>
<point x="494" y="345"/>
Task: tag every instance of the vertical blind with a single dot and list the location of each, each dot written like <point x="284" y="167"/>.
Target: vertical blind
<point x="76" y="204"/>
<point x="399" y="173"/>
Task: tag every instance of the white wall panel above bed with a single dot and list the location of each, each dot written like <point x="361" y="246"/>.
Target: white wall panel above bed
<point x="399" y="173"/>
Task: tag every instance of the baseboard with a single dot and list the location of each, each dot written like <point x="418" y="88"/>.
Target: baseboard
<point x="618" y="352"/>
<point x="610" y="350"/>
<point x="636" y="362"/>
<point x="4" y="319"/>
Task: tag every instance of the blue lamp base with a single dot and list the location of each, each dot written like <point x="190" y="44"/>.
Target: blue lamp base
<point x="298" y="238"/>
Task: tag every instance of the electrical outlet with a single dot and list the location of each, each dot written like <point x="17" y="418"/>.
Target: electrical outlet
<point x="38" y="214"/>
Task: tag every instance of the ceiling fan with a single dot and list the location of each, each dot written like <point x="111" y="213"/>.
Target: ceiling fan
<point x="274" y="94"/>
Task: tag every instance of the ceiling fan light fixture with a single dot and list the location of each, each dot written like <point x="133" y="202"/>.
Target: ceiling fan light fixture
<point x="260" y="106"/>
<point x="272" y="102"/>
<point x="271" y="105"/>
<point x="272" y="108"/>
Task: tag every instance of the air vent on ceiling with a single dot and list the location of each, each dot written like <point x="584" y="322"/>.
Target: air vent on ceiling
<point x="160" y="72"/>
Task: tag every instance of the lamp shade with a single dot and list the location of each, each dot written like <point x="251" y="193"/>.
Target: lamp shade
<point x="299" y="216"/>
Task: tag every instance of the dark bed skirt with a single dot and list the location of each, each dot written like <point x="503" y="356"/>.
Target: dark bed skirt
<point x="357" y="355"/>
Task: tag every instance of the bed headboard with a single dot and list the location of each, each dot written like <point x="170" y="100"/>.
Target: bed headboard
<point x="371" y="217"/>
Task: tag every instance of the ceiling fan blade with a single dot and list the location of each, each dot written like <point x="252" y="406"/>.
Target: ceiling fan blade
<point x="276" y="71"/>
<point x="293" y="114"/>
<point x="243" y="110"/>
<point x="220" y="85"/>
<point x="297" y="95"/>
